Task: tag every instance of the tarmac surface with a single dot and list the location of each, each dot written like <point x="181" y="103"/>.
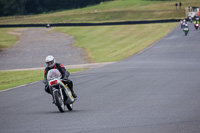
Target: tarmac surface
<point x="35" y="44"/>
<point x="155" y="91"/>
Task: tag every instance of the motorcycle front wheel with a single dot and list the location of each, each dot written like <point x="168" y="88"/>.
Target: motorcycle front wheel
<point x="59" y="101"/>
<point x="186" y="33"/>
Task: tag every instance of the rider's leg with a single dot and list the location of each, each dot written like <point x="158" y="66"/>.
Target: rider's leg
<point x="70" y="85"/>
<point x="47" y="89"/>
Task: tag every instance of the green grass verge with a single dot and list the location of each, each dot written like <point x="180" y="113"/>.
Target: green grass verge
<point x="119" y="10"/>
<point x="6" y="39"/>
<point x="9" y="79"/>
<point x="114" y="43"/>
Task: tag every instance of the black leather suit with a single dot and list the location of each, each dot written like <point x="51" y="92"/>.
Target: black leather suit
<point x="65" y="75"/>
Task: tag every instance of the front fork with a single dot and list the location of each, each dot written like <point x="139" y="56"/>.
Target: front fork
<point x="53" y="90"/>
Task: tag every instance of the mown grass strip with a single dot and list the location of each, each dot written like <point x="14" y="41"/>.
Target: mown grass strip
<point x="9" y="79"/>
<point x="114" y="43"/>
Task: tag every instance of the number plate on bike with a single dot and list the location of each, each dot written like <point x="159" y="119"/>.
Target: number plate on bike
<point x="53" y="82"/>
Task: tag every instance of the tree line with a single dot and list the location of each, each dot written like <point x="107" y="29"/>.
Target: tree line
<point x="24" y="7"/>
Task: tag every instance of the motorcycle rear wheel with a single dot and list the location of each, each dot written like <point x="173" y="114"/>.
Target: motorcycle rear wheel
<point x="59" y="102"/>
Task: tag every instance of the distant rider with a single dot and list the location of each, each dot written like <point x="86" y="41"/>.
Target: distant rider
<point x="183" y="22"/>
<point x="190" y="18"/>
<point x="196" y="21"/>
<point x="48" y="25"/>
<point x="186" y="28"/>
<point x="51" y="64"/>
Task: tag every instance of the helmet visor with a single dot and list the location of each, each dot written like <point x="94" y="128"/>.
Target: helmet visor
<point x="50" y="63"/>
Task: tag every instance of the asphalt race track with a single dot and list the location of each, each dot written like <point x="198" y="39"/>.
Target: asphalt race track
<point x="155" y="91"/>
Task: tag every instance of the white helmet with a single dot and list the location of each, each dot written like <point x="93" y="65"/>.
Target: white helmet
<point x="50" y="61"/>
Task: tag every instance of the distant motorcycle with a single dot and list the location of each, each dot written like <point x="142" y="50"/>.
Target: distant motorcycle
<point x="182" y="25"/>
<point x="62" y="96"/>
<point x="186" y="30"/>
<point x="190" y="19"/>
<point x="196" y="26"/>
<point x="48" y="25"/>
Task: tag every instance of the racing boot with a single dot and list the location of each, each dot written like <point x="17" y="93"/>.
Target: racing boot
<point x="70" y="85"/>
<point x="73" y="94"/>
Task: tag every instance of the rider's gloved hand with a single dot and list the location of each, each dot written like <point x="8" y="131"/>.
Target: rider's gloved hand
<point x="64" y="78"/>
<point x="46" y="88"/>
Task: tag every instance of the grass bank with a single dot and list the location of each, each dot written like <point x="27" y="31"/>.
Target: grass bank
<point x="118" y="10"/>
<point x="114" y="43"/>
<point x="7" y="38"/>
<point x="9" y="79"/>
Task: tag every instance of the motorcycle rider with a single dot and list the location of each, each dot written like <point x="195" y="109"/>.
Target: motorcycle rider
<point x="186" y="26"/>
<point x="183" y="22"/>
<point x="186" y="29"/>
<point x="196" y="21"/>
<point x="51" y="64"/>
<point x="190" y="18"/>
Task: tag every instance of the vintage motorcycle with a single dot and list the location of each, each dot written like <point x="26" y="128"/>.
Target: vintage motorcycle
<point x="61" y="94"/>
<point x="186" y="30"/>
<point x="182" y="25"/>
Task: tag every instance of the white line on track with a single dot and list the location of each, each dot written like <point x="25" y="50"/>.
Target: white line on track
<point x="89" y="65"/>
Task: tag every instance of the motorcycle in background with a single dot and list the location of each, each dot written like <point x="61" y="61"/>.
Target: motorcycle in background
<point x="190" y="19"/>
<point x="62" y="96"/>
<point x="183" y="23"/>
<point x="196" y="26"/>
<point x="186" y="30"/>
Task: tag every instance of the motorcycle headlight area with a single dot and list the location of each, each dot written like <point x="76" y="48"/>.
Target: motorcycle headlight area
<point x="53" y="82"/>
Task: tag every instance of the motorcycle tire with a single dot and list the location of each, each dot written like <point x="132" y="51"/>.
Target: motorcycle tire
<point x="186" y="33"/>
<point x="59" y="102"/>
<point x="70" y="107"/>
